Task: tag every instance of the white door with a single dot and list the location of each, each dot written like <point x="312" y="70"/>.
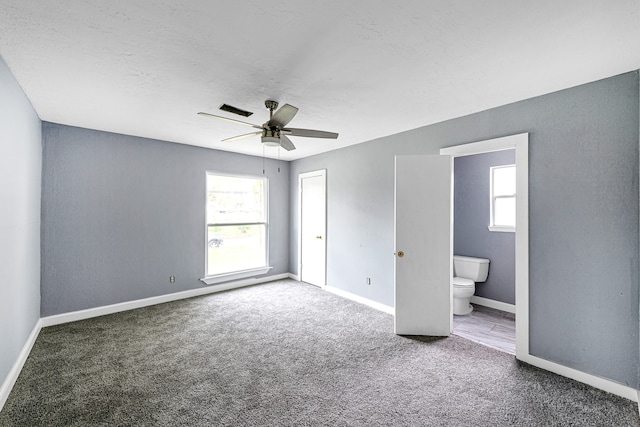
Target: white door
<point x="423" y="245"/>
<point x="313" y="239"/>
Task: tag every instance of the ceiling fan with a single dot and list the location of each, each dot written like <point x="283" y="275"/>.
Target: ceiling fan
<point x="274" y="133"/>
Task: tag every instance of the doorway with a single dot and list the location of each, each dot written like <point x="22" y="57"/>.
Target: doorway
<point x="312" y="249"/>
<point x="484" y="227"/>
<point x="520" y="143"/>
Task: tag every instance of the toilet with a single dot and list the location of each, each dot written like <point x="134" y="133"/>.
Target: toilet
<point x="466" y="272"/>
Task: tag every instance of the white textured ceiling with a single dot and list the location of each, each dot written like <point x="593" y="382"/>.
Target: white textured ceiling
<point x="362" y="68"/>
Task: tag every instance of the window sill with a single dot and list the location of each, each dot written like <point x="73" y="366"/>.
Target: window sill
<point x="226" y="277"/>
<point x="502" y="229"/>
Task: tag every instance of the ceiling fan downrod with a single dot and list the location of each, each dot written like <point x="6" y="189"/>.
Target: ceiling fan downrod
<point x="271" y="136"/>
<point x="271" y="105"/>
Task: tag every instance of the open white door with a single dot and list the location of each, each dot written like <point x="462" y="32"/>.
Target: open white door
<point x="313" y="214"/>
<point x="423" y="245"/>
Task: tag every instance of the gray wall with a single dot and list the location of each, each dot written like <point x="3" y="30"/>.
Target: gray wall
<point x="471" y="237"/>
<point x="121" y="214"/>
<point x="20" y="168"/>
<point x="583" y="217"/>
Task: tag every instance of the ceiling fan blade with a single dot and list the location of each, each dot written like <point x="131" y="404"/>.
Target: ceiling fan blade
<point x="310" y="133"/>
<point x="283" y="116"/>
<point x="246" y="135"/>
<point x="286" y="143"/>
<point x="229" y="120"/>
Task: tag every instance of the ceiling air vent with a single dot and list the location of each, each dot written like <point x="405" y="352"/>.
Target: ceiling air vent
<point x="234" y="110"/>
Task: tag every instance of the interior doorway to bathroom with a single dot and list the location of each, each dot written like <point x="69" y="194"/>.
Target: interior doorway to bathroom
<point x="484" y="195"/>
<point x="519" y="143"/>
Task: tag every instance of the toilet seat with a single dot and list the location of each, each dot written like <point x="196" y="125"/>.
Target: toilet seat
<point x="461" y="282"/>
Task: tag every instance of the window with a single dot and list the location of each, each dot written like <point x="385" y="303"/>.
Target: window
<point x="503" y="198"/>
<point x="237" y="227"/>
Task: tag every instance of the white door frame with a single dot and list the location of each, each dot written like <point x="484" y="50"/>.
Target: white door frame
<point x="520" y="143"/>
<point x="301" y="176"/>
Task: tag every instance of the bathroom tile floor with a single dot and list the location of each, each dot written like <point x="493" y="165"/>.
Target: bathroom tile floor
<point x="488" y="326"/>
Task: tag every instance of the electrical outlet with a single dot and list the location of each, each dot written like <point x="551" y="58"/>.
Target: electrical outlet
<point x="368" y="280"/>
<point x="172" y="279"/>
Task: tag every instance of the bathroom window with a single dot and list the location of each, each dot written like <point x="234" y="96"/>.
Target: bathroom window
<point x="503" y="198"/>
<point x="236" y="227"/>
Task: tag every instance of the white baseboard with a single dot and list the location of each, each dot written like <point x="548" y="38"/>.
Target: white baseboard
<point x="361" y="300"/>
<point x="592" y="380"/>
<point x="12" y="377"/>
<point x="294" y="277"/>
<point x="498" y="305"/>
<point x="132" y="305"/>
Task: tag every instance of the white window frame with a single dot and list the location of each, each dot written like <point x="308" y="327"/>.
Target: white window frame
<point x="242" y="274"/>
<point x="492" y="225"/>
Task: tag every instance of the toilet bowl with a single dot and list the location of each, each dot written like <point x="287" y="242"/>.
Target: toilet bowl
<point x="466" y="272"/>
<point x="463" y="290"/>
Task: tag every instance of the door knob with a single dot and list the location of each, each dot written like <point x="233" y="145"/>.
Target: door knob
<point x="400" y="254"/>
<point x="319" y="237"/>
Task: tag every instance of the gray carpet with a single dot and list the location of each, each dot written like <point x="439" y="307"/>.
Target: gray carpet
<point x="285" y="354"/>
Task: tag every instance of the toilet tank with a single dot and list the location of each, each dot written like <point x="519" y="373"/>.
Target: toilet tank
<point x="476" y="269"/>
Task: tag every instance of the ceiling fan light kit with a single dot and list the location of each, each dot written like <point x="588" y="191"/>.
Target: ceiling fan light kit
<point x="271" y="141"/>
<point x="273" y="132"/>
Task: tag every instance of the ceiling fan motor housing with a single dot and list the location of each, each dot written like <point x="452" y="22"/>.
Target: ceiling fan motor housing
<point x="271" y="137"/>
